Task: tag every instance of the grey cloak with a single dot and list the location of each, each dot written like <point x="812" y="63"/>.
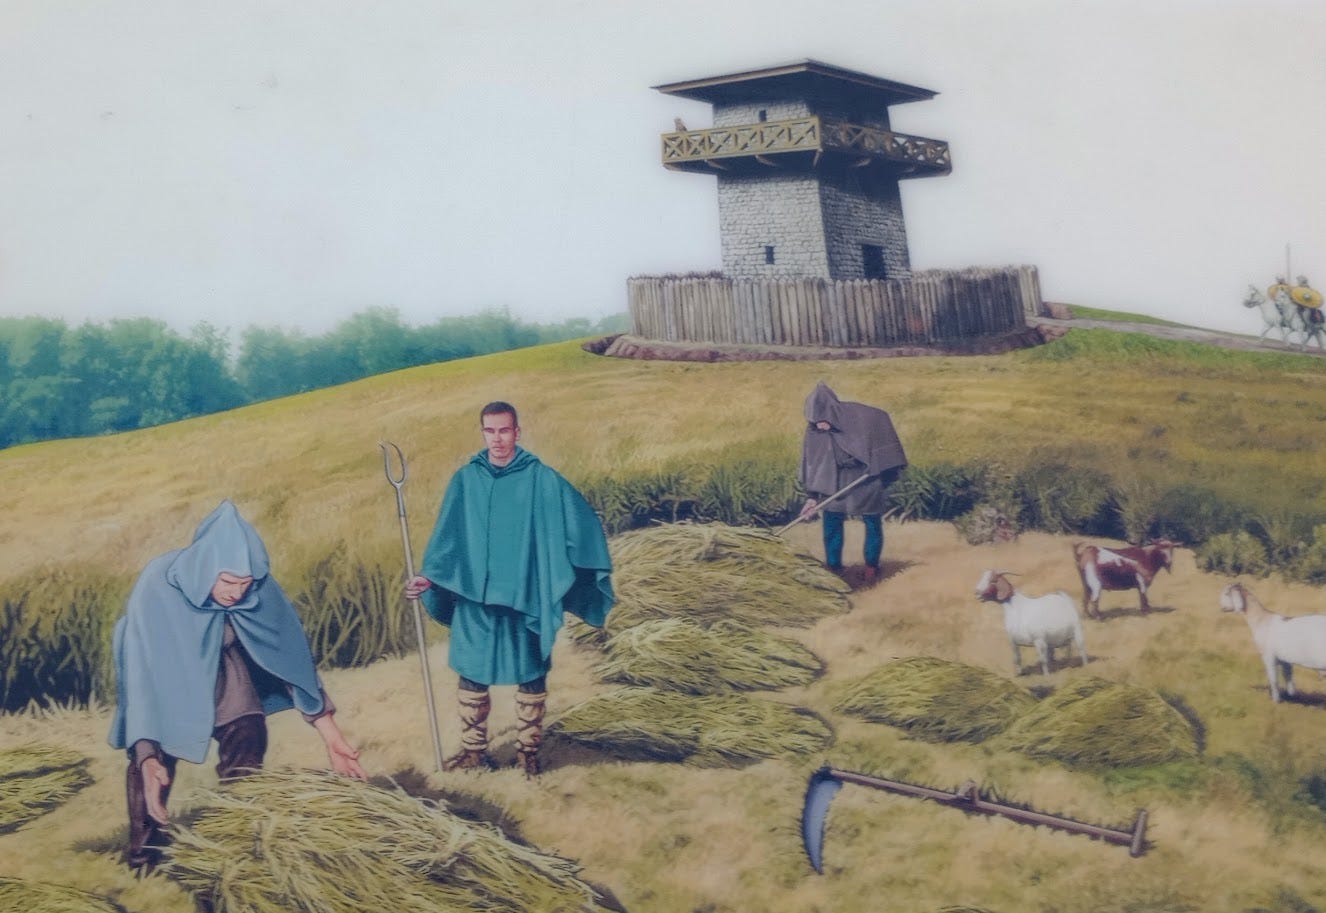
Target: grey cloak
<point x="860" y="441"/>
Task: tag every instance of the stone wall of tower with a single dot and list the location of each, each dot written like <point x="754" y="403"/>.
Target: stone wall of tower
<point x="783" y="212"/>
<point x="749" y="112"/>
<point x="861" y="206"/>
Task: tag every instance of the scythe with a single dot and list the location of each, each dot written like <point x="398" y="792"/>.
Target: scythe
<point x="825" y="783"/>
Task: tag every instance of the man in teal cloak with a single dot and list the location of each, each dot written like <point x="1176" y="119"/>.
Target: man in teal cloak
<point x="515" y="546"/>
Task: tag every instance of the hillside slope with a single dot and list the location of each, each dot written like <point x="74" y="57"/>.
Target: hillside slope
<point x="307" y="469"/>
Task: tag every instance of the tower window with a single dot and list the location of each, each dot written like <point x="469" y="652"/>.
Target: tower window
<point x="768" y="253"/>
<point x="764" y="115"/>
<point x="872" y="262"/>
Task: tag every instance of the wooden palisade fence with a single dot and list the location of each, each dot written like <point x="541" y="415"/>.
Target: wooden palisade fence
<point x="935" y="306"/>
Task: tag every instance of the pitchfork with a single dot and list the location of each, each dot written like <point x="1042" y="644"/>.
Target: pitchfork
<point x="398" y="483"/>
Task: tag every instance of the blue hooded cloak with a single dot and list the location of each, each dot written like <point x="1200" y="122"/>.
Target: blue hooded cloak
<point x="513" y="548"/>
<point x="167" y="645"/>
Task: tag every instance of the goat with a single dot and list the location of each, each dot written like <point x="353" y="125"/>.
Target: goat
<point x="1128" y="568"/>
<point x="1043" y="622"/>
<point x="1281" y="641"/>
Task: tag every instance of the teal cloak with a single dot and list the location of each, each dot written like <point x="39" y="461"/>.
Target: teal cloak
<point x="514" y="548"/>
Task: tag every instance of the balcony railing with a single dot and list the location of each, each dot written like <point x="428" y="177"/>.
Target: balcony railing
<point x="805" y="134"/>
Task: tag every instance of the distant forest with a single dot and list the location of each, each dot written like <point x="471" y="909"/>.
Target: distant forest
<point x="58" y="381"/>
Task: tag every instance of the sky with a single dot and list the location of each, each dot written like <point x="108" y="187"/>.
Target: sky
<point x="293" y="162"/>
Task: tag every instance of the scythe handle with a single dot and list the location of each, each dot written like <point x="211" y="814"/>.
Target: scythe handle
<point x="967" y="797"/>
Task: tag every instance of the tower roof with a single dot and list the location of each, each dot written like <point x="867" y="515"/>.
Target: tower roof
<point x="806" y="77"/>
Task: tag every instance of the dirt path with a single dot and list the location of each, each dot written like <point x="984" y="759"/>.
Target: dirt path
<point x="1186" y="334"/>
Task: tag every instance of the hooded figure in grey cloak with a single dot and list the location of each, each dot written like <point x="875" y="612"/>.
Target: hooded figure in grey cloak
<point x="192" y="665"/>
<point x="845" y="441"/>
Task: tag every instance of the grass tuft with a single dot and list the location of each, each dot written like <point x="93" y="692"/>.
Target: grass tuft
<point x="36" y="779"/>
<point x="937" y="700"/>
<point x="706" y="573"/>
<point x="300" y="842"/>
<point x="715" y="730"/>
<point x="1092" y="722"/>
<point x="37" y="897"/>
<point x="677" y="655"/>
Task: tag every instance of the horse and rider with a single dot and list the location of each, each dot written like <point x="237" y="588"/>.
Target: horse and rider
<point x="1290" y="309"/>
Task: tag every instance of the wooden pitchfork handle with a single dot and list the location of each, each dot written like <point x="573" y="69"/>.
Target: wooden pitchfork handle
<point x="398" y="484"/>
<point x="820" y="506"/>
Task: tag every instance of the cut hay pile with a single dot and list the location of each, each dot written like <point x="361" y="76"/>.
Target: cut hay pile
<point x="35" y="897"/>
<point x="937" y="700"/>
<point x="34" y="779"/>
<point x="711" y="572"/>
<point x="677" y="655"/>
<point x="712" y="730"/>
<point x="294" y="842"/>
<point x="1093" y="722"/>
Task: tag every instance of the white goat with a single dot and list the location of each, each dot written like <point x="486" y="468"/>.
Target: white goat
<point x="1043" y="622"/>
<point x="1281" y="641"/>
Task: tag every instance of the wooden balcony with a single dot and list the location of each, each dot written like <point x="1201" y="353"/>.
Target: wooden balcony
<point x="801" y="143"/>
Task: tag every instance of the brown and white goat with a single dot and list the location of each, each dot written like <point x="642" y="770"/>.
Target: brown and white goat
<point x="1128" y="568"/>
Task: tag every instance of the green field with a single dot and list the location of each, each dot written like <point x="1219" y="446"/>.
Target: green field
<point x="1239" y="828"/>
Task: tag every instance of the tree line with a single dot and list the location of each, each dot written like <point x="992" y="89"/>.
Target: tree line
<point x="59" y="381"/>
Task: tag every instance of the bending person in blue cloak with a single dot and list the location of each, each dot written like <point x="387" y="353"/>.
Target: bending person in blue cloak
<point x="208" y="646"/>
<point x="515" y="545"/>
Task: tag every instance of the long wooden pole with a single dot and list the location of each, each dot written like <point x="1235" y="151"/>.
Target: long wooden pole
<point x="398" y="483"/>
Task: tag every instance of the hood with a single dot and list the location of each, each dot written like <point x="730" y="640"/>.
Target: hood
<point x="223" y="541"/>
<point x="823" y="406"/>
<point x="522" y="459"/>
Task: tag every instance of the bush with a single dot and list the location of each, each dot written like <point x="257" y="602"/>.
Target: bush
<point x="940" y="491"/>
<point x="1239" y="552"/>
<point x="352" y="609"/>
<point x="1059" y="498"/>
<point x="1190" y="515"/>
<point x="1309" y="565"/>
<point x="748" y="491"/>
<point x="626" y="500"/>
<point x="988" y="523"/>
<point x="55" y="632"/>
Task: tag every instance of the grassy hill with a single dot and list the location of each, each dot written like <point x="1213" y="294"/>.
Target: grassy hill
<point x="1237" y="830"/>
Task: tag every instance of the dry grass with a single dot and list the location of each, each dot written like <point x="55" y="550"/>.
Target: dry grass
<point x="706" y="573"/>
<point x="1094" y="722"/>
<point x="283" y="842"/>
<point x="709" y="730"/>
<point x="676" y="655"/>
<point x="936" y="700"/>
<point x="34" y="779"/>
<point x="35" y="897"/>
<point x="309" y="473"/>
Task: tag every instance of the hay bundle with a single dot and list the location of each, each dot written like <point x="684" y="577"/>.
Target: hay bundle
<point x="677" y="655"/>
<point x="713" y="730"/>
<point x="296" y="842"/>
<point x="937" y="700"/>
<point x="34" y="779"/>
<point x="36" y="897"/>
<point x="1093" y="722"/>
<point x="710" y="572"/>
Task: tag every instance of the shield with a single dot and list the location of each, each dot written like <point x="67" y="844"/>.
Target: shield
<point x="1306" y="297"/>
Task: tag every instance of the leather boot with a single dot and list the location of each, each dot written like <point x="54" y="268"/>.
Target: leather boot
<point x="474" y="709"/>
<point x="529" y="734"/>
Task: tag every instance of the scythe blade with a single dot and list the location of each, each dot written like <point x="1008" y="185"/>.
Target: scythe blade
<point x="820" y="790"/>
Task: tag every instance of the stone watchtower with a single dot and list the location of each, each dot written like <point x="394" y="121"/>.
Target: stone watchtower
<point x="808" y="170"/>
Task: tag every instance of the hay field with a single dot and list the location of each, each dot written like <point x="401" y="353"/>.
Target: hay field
<point x="1236" y="835"/>
<point x="665" y="837"/>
